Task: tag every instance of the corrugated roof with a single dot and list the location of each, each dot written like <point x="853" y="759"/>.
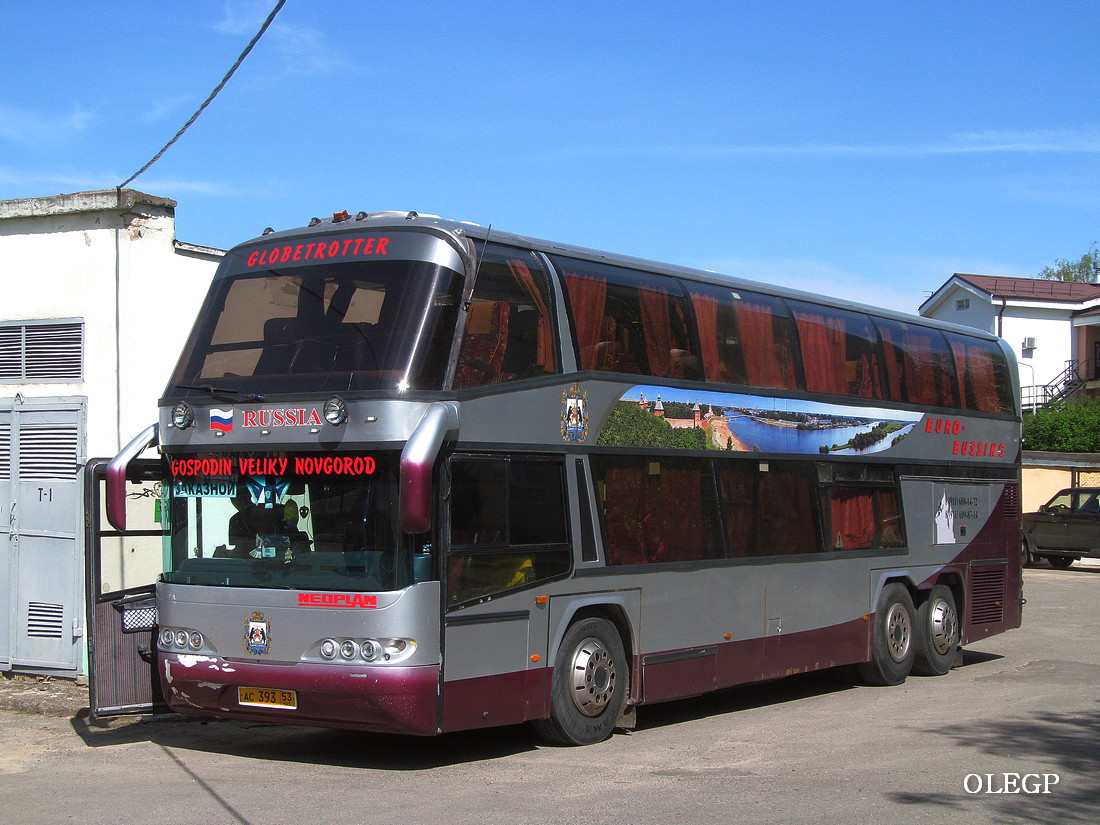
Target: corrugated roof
<point x="1036" y="289"/>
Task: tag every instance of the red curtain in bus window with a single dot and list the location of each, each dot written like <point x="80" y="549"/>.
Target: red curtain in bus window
<point x="587" y="298"/>
<point x="624" y="508"/>
<point x="680" y="504"/>
<point x="545" y="331"/>
<point x="895" y="363"/>
<point x="657" y="330"/>
<point x="738" y="503"/>
<point x="482" y="358"/>
<point x="920" y="367"/>
<point x="852" y="519"/>
<point x="768" y="358"/>
<point x="977" y="378"/>
<point x="706" y="318"/>
<point x="786" y="515"/>
<point x="823" y="352"/>
<point x="891" y="529"/>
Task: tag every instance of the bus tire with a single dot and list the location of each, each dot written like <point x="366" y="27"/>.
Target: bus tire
<point x="892" y="648"/>
<point x="937" y="633"/>
<point x="589" y="685"/>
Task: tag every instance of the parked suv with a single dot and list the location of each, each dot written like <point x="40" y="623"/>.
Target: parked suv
<point x="1065" y="529"/>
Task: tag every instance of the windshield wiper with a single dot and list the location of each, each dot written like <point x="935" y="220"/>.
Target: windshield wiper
<point x="212" y="390"/>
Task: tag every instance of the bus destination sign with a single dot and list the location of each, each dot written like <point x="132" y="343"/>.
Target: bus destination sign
<point x="224" y="467"/>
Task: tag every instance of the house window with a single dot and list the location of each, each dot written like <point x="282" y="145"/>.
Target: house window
<point x="42" y="351"/>
<point x="961" y="304"/>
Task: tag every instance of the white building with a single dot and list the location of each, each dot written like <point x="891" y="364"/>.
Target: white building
<point x="99" y="298"/>
<point x="1053" y="326"/>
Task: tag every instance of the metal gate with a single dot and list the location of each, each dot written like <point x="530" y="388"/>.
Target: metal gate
<point x="41" y="566"/>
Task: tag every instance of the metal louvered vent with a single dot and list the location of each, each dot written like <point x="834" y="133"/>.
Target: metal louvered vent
<point x="48" y="453"/>
<point x="42" y="352"/>
<point x="11" y="353"/>
<point x="5" y="451"/>
<point x="988" y="591"/>
<point x="1011" y="502"/>
<point x="45" y="621"/>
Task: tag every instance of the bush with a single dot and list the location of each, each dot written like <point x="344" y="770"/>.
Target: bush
<point x="1064" y="428"/>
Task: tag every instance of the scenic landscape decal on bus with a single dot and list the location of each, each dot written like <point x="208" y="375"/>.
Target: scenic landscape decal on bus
<point x="652" y="416"/>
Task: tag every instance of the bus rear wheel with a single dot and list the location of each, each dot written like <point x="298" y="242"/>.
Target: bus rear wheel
<point x="589" y="685"/>
<point x="937" y="634"/>
<point x="892" y="648"/>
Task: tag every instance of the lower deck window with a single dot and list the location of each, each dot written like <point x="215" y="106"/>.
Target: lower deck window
<point x="861" y="518"/>
<point x="659" y="510"/>
<point x="769" y="508"/>
<point x="508" y="526"/>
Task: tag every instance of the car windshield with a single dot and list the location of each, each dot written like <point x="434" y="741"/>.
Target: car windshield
<point x="337" y="324"/>
<point x="325" y="522"/>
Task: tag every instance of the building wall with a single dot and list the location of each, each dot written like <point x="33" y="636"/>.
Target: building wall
<point x="1054" y="341"/>
<point x="80" y="257"/>
<point x="965" y="307"/>
<point x="111" y="261"/>
<point x="1040" y="484"/>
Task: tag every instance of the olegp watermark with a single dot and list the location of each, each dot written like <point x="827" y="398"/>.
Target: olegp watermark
<point x="1029" y="783"/>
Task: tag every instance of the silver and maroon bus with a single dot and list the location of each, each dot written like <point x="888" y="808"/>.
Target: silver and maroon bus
<point x="420" y="476"/>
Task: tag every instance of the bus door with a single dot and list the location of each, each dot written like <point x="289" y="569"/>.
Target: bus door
<point x="507" y="531"/>
<point x="122" y="569"/>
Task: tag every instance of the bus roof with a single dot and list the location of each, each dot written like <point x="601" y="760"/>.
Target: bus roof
<point x="454" y="230"/>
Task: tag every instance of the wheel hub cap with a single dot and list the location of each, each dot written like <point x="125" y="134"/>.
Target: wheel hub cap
<point x="594" y="677"/>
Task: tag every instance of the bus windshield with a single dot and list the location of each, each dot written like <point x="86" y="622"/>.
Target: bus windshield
<point x="327" y="327"/>
<point x="324" y="522"/>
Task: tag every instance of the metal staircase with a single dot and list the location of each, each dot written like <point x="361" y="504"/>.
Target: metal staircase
<point x="1065" y="386"/>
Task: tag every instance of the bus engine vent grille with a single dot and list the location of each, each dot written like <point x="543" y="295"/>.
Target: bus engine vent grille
<point x="1011" y="502"/>
<point x="45" y="621"/>
<point x="988" y="589"/>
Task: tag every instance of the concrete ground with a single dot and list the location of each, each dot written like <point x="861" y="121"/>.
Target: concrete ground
<point x="45" y="695"/>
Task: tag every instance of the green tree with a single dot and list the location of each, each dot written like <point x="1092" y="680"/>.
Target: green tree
<point x="1064" y="428"/>
<point x="1080" y="270"/>
<point x="628" y="425"/>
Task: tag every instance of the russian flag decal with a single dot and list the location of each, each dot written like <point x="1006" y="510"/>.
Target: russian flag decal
<point x="221" y="420"/>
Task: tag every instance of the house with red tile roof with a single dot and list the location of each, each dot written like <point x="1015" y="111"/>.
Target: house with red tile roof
<point x="1052" y="326"/>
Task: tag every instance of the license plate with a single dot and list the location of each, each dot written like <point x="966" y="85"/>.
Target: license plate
<point x="267" y="697"/>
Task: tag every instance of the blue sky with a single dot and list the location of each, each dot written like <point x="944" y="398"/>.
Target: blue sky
<point x="862" y="149"/>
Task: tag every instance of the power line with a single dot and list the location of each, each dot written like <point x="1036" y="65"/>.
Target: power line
<point x="208" y="100"/>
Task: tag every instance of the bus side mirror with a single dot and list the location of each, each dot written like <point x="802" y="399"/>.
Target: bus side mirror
<point x="418" y="461"/>
<point x="116" y="476"/>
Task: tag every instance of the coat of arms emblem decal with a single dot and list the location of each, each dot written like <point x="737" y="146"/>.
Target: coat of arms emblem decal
<point x="574" y="414"/>
<point x="257" y="634"/>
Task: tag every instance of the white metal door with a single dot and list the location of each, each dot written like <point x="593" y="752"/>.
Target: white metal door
<point x="43" y="506"/>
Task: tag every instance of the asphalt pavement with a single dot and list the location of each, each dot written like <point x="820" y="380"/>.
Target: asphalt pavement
<point x="68" y="698"/>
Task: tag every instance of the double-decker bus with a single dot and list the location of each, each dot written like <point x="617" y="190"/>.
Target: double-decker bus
<point x="421" y="476"/>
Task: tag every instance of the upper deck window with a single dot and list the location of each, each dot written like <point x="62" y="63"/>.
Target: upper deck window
<point x="839" y="351"/>
<point x="630" y="321"/>
<point x="919" y="366"/>
<point x="984" y="382"/>
<point x="746" y="338"/>
<point x="509" y="331"/>
<point x="356" y="324"/>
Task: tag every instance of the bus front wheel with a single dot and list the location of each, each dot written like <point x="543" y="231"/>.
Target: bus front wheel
<point x="589" y="685"/>
<point x="937" y="634"/>
<point x="892" y="648"/>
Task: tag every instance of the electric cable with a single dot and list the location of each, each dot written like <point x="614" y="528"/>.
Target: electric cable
<point x="211" y="97"/>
